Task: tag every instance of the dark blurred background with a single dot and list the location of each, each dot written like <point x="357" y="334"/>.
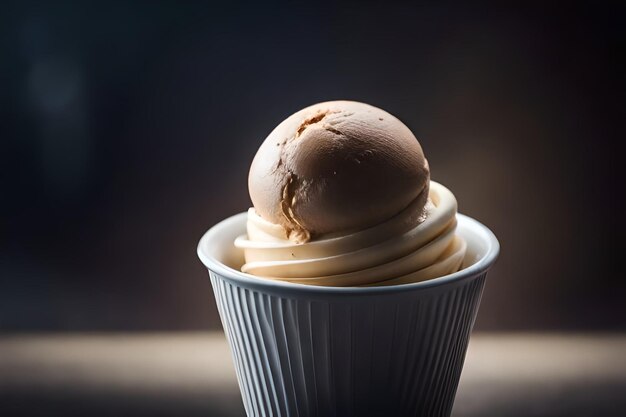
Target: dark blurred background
<point x="128" y="129"/>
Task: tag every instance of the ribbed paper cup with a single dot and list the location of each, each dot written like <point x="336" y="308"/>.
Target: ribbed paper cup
<point x="326" y="351"/>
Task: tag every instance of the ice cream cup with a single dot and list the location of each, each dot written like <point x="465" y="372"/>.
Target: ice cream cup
<point x="303" y="350"/>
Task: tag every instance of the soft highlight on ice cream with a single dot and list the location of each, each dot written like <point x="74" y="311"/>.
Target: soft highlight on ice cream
<point x="342" y="197"/>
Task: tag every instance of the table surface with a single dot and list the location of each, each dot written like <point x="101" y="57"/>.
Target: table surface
<point x="189" y="374"/>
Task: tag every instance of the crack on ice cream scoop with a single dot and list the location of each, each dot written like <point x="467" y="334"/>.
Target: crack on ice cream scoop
<point x="296" y="233"/>
<point x="334" y="130"/>
<point x="311" y="121"/>
<point x="320" y="116"/>
<point x="294" y="229"/>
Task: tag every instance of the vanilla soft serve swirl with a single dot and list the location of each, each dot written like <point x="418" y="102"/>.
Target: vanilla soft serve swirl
<point x="393" y="252"/>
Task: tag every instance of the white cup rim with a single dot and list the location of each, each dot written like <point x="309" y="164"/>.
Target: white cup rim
<point x="466" y="224"/>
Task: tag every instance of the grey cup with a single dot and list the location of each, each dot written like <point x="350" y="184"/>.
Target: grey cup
<point x="327" y="351"/>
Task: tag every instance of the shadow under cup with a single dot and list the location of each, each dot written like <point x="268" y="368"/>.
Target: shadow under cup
<point x="327" y="351"/>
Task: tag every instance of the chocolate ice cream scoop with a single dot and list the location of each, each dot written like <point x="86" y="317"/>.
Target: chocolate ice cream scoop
<point x="337" y="167"/>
